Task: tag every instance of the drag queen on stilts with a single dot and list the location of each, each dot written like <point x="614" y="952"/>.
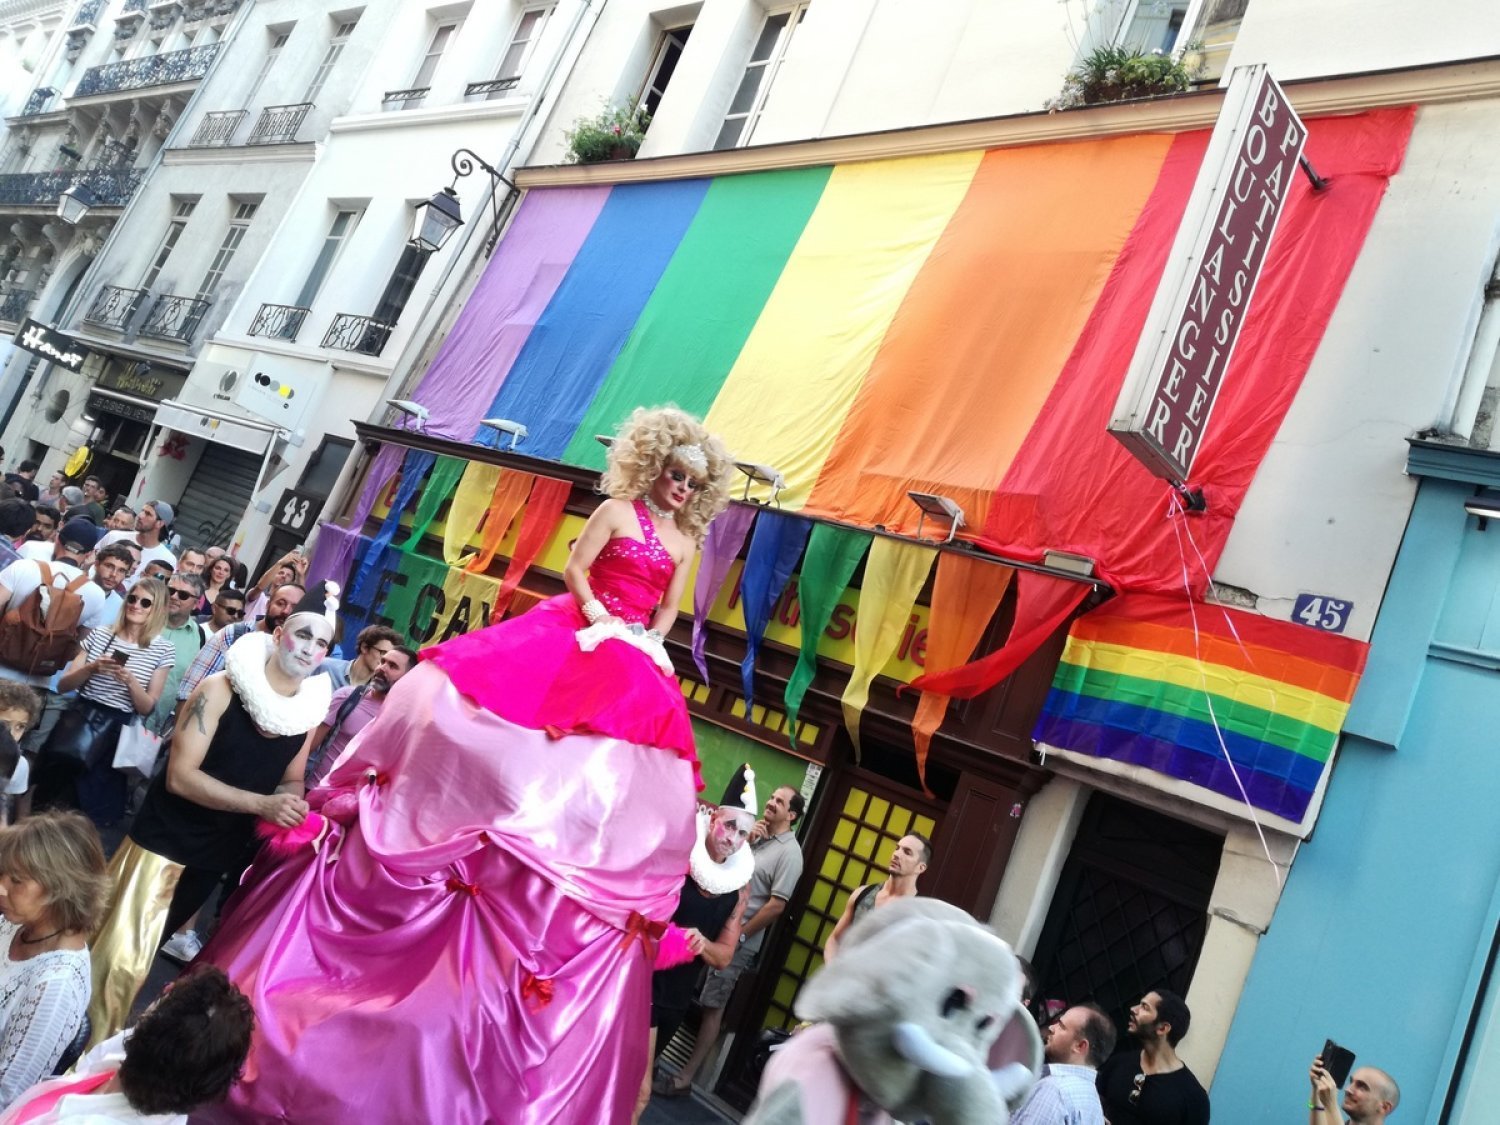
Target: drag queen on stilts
<point x="468" y="936"/>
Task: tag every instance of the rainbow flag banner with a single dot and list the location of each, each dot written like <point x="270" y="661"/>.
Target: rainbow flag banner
<point x="1139" y="683"/>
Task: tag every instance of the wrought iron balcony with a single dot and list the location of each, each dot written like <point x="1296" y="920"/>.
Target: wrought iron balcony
<point x="112" y="187"/>
<point x="278" y="124"/>
<point x="115" y="307"/>
<point x="39" y="102"/>
<point x="217" y="129"/>
<point x="405" y="99"/>
<point x="88" y="13"/>
<point x="363" y="334"/>
<point x="131" y="9"/>
<point x="491" y="88"/>
<point x="174" y="318"/>
<point x="148" y="70"/>
<point x="281" y="322"/>
<point x="13" y="305"/>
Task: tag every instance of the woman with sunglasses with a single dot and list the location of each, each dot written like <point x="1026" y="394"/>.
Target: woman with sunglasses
<point x="119" y="675"/>
<point x="500" y="844"/>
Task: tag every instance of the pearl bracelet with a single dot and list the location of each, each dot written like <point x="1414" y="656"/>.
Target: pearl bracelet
<point x="594" y="611"/>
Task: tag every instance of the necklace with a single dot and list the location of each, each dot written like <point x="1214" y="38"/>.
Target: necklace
<point x="659" y="513"/>
<point x="38" y="940"/>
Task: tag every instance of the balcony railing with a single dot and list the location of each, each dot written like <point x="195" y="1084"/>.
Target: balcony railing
<point x="115" y="307"/>
<point x="278" y="124"/>
<point x="131" y="9"/>
<point x="148" y="70"/>
<point x="405" y="99"/>
<point x="491" y="88"/>
<point x="40" y="100"/>
<point x="13" y="305"/>
<point x="112" y="187"/>
<point x="281" y="322"/>
<point x="217" y="129"/>
<point x="174" y="318"/>
<point x="363" y="334"/>
<point x="88" y="13"/>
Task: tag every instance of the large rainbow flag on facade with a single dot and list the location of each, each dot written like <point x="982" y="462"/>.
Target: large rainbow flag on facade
<point x="1156" y="682"/>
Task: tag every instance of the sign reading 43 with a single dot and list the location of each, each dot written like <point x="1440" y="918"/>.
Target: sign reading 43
<point x="295" y="511"/>
<point x="1321" y="612"/>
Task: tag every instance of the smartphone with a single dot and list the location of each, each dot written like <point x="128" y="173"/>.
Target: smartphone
<point x="119" y="657"/>
<point x="1337" y="1061"/>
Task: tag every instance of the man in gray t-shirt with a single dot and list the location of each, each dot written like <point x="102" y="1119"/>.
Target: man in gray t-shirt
<point x="778" y="866"/>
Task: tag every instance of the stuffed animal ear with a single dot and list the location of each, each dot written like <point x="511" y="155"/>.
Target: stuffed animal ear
<point x="1016" y="1057"/>
<point x="864" y="982"/>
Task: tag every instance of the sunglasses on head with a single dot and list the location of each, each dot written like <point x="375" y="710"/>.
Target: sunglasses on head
<point x="136" y="599"/>
<point x="679" y="477"/>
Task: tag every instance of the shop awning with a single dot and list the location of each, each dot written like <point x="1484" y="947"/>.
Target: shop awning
<point x="247" y="434"/>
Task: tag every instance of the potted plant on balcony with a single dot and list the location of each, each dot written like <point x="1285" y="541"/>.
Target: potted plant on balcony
<point x="1117" y="74"/>
<point x="614" y="133"/>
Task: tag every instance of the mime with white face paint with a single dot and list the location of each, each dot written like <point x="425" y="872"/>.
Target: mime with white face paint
<point x="238" y="754"/>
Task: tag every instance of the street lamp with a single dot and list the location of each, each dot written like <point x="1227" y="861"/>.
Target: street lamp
<point x="74" y="203"/>
<point x="439" y="217"/>
<point x="435" y="220"/>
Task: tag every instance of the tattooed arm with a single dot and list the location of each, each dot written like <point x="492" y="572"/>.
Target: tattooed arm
<point x="197" y="722"/>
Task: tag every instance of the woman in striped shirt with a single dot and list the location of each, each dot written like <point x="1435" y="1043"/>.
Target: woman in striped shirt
<point x="119" y="676"/>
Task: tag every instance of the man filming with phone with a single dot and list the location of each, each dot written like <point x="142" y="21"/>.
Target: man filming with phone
<point x="1371" y="1096"/>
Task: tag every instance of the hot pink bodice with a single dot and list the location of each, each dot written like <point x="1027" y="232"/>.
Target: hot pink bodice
<point x="630" y="576"/>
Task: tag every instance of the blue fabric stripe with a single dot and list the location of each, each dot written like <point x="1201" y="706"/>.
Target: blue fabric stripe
<point x="570" y="351"/>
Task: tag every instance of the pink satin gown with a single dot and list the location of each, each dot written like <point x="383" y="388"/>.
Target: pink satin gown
<point x="470" y="943"/>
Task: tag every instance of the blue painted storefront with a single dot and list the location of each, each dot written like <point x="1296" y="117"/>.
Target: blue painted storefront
<point x="1383" y="934"/>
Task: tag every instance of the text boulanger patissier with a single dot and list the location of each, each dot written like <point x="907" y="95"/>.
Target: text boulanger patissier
<point x="1209" y="325"/>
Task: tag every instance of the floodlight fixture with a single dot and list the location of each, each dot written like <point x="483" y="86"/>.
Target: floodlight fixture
<point x="516" y="430"/>
<point x="939" y="507"/>
<point x="1484" y="508"/>
<point x="605" y="440"/>
<point x="1069" y="563"/>
<point x="413" y="410"/>
<point x="757" y="473"/>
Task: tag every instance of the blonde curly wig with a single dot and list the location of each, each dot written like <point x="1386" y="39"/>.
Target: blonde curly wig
<point x="642" y="450"/>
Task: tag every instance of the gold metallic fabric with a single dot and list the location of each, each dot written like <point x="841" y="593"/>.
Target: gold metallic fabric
<point x="126" y="943"/>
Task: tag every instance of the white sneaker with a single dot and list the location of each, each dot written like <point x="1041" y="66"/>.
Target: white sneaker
<point x="183" y="947"/>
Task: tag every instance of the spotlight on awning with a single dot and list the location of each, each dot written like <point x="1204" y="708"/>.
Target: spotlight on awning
<point x="939" y="507"/>
<point x="605" y="440"/>
<point x="756" y="473"/>
<point x="506" y="426"/>
<point x="1069" y="563"/>
<point x="1485" y="509"/>
<point x="413" y="410"/>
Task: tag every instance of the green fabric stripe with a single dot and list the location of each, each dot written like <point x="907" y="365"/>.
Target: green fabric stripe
<point x="1253" y="722"/>
<point x="439" y="487"/>
<point x="832" y="556"/>
<point x="692" y="329"/>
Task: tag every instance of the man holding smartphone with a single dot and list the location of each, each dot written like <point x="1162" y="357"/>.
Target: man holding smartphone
<point x="1371" y="1097"/>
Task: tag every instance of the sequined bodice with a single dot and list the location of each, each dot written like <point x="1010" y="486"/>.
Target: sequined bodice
<point x="630" y="575"/>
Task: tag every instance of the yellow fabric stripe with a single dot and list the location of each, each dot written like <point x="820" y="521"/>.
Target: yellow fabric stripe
<point x="786" y="397"/>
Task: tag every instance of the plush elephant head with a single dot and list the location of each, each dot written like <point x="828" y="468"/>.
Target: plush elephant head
<point x="917" y="999"/>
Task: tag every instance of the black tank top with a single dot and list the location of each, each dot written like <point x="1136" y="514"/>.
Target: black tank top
<point x="672" y="989"/>
<point x="195" y="836"/>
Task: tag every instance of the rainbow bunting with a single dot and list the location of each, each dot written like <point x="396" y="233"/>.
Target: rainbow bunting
<point x="1139" y="683"/>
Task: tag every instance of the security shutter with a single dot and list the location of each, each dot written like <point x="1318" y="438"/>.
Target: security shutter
<point x="214" y="502"/>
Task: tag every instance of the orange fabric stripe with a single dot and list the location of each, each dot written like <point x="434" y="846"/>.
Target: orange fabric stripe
<point x="511" y="491"/>
<point x="1273" y="664"/>
<point x="978" y="342"/>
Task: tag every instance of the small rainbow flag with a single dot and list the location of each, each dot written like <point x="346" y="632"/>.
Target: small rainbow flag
<point x="1138" y="684"/>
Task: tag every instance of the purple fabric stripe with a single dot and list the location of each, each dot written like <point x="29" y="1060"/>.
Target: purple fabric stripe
<point x="1272" y="794"/>
<point x="333" y="560"/>
<point x="726" y="535"/>
<point x="499" y="315"/>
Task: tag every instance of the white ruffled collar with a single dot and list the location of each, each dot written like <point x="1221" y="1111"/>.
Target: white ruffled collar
<point x="272" y="712"/>
<point x="718" y="878"/>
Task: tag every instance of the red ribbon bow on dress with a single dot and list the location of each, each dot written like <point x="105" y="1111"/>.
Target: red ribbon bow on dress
<point x="536" y="992"/>
<point x="638" y="926"/>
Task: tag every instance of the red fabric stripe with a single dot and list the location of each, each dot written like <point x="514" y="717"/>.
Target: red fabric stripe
<point x="1073" y="487"/>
